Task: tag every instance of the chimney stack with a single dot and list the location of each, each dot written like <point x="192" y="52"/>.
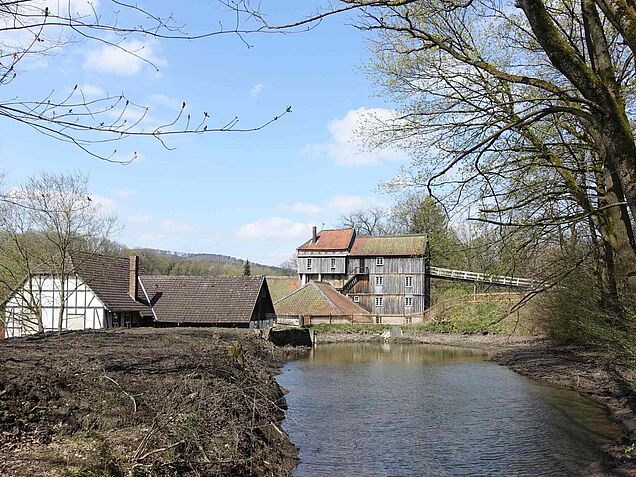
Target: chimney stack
<point x="133" y="273"/>
<point x="314" y="235"/>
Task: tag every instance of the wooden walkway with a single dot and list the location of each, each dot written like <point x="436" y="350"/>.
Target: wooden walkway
<point x="466" y="276"/>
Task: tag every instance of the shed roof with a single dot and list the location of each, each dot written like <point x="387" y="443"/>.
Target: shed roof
<point x="317" y="299"/>
<point x="387" y="245"/>
<point x="331" y="240"/>
<point x="216" y="299"/>
<point x="280" y="287"/>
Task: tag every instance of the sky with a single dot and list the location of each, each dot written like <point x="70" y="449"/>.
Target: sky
<point x="249" y="195"/>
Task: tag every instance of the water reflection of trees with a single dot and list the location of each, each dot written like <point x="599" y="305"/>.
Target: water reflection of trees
<point x="393" y="352"/>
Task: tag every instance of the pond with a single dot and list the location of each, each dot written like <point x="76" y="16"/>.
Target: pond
<point x="401" y="410"/>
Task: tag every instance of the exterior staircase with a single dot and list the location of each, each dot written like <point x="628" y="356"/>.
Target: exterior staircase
<point x="353" y="278"/>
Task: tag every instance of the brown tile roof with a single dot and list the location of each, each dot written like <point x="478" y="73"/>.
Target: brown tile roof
<point x="216" y="299"/>
<point x="330" y="240"/>
<point x="108" y="278"/>
<point x="280" y="287"/>
<point x="387" y="245"/>
<point x="317" y="299"/>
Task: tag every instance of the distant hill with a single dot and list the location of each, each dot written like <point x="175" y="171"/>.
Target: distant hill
<point x="167" y="262"/>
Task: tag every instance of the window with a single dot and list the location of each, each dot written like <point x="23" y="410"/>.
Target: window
<point x="408" y="301"/>
<point x="379" y="280"/>
<point x="309" y="264"/>
<point x="379" y="261"/>
<point x="408" y="282"/>
<point x="333" y="263"/>
<point x="356" y="299"/>
<point x="379" y="301"/>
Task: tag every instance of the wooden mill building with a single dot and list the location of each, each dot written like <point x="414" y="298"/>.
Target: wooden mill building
<point x="385" y="275"/>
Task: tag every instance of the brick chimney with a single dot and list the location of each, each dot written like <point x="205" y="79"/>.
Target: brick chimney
<point x="314" y="235"/>
<point x="133" y="273"/>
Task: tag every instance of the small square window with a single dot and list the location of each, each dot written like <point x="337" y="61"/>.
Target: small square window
<point x="379" y="301"/>
<point x="408" y="301"/>
<point x="408" y="282"/>
<point x="379" y="261"/>
<point x="356" y="299"/>
<point x="379" y="280"/>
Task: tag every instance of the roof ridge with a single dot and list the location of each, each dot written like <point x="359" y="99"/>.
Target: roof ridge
<point x="392" y="235"/>
<point x="294" y="292"/>
<point x="331" y="302"/>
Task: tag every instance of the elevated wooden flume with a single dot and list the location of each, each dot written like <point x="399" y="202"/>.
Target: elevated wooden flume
<point x="466" y="276"/>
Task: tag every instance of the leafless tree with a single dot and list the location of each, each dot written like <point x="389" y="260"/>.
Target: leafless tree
<point x="33" y="28"/>
<point x="49" y="229"/>
<point x="291" y="264"/>
<point x="371" y="221"/>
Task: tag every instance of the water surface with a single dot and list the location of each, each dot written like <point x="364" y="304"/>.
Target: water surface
<point x="398" y="410"/>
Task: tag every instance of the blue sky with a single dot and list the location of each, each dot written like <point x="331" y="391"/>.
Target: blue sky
<point x="249" y="195"/>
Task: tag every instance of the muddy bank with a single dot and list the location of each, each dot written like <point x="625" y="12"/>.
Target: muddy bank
<point x="491" y="343"/>
<point x="609" y="381"/>
<point x="143" y="402"/>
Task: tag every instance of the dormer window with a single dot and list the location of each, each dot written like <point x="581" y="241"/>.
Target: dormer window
<point x="309" y="264"/>
<point x="379" y="261"/>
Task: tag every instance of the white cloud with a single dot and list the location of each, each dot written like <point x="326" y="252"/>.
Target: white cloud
<point x="256" y="90"/>
<point x="169" y="102"/>
<point x="140" y="219"/>
<point x="73" y="8"/>
<point x="92" y="91"/>
<point x="274" y="227"/>
<point x="176" y="226"/>
<point x="106" y="203"/>
<point x="125" y="59"/>
<point x="303" y="208"/>
<point x="160" y="230"/>
<point x="345" y="204"/>
<point x="124" y="192"/>
<point x="346" y="145"/>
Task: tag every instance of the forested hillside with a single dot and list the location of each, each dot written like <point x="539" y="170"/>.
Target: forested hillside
<point x="165" y="262"/>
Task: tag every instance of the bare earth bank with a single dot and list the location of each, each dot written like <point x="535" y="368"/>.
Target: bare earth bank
<point x="142" y="402"/>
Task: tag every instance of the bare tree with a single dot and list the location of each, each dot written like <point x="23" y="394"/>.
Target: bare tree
<point x="50" y="228"/>
<point x="291" y="264"/>
<point x="34" y="28"/>
<point x="371" y="221"/>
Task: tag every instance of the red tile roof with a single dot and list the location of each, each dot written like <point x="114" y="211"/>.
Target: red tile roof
<point x="331" y="240"/>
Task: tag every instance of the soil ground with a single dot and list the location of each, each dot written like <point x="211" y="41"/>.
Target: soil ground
<point x="142" y="402"/>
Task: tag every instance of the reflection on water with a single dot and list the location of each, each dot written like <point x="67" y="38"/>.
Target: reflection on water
<point x="380" y="410"/>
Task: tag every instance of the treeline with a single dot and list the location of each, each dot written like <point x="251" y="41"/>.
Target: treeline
<point x="161" y="262"/>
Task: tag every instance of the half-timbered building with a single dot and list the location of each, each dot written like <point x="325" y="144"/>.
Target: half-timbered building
<point x="110" y="292"/>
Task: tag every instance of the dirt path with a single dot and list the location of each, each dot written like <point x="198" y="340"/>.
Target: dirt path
<point x="160" y="402"/>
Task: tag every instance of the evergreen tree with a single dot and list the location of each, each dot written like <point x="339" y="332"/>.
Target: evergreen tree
<point x="246" y="268"/>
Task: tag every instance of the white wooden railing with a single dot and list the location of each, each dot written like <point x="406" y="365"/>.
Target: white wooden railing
<point x="463" y="275"/>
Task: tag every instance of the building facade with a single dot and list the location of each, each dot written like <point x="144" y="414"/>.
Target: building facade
<point x="385" y="275"/>
<point x="110" y="292"/>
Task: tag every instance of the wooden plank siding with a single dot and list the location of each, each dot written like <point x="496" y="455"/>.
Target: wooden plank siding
<point x="393" y="289"/>
<point x="322" y="265"/>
